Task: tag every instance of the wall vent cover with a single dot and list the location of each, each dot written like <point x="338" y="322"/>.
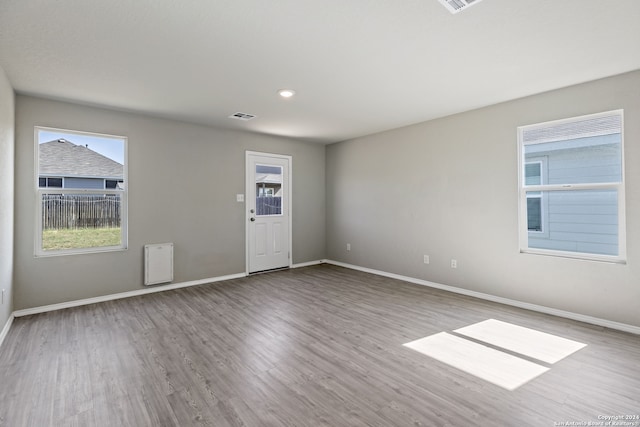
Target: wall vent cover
<point x="455" y="6"/>
<point x="242" y="116"/>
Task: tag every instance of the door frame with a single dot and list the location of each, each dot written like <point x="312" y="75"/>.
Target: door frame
<point x="249" y="182"/>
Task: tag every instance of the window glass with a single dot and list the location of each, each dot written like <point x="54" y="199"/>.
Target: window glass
<point x="580" y="221"/>
<point x="54" y="182"/>
<point x="533" y="174"/>
<point x="78" y="218"/>
<point x="534" y="213"/>
<point x="576" y="166"/>
<point x="50" y="182"/>
<point x="268" y="190"/>
<point x="582" y="160"/>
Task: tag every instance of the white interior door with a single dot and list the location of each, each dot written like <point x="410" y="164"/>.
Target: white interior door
<point x="268" y="211"/>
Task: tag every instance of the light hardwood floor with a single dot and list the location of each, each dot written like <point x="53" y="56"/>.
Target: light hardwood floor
<point x="315" y="346"/>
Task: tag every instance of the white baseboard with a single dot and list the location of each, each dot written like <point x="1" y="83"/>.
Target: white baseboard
<point x="309" y="264"/>
<point x="539" y="308"/>
<point x="542" y="309"/>
<point x="160" y="288"/>
<point x="6" y="328"/>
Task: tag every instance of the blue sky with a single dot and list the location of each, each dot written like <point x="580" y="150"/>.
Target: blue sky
<point x="112" y="148"/>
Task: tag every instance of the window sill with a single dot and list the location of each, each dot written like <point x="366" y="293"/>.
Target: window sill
<point x="608" y="259"/>
<point x="84" y="251"/>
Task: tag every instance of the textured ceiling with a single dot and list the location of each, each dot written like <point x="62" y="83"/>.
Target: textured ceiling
<point x="358" y="66"/>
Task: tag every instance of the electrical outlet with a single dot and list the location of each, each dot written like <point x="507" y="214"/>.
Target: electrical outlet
<point x="348" y="246"/>
<point x="454" y="263"/>
<point x="426" y="259"/>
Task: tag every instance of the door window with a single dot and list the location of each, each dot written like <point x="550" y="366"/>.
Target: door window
<point x="268" y="190"/>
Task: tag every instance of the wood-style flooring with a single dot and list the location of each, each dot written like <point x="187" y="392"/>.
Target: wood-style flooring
<point x="317" y="346"/>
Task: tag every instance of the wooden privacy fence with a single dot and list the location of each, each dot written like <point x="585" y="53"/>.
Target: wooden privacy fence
<point x="80" y="211"/>
<point x="268" y="205"/>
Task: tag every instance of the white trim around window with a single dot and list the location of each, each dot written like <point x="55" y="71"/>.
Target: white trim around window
<point x="40" y="192"/>
<point x="544" y="206"/>
<point x="562" y="182"/>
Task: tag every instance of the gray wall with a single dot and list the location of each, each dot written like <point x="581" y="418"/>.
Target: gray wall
<point x="448" y="188"/>
<point x="6" y="195"/>
<point x="183" y="181"/>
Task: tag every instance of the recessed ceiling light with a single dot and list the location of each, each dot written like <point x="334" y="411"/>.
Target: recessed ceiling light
<point x="286" y="93"/>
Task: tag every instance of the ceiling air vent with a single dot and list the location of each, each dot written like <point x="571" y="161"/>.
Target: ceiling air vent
<point x="455" y="6"/>
<point x="242" y="116"/>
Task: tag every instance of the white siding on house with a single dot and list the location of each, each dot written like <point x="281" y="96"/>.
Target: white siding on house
<point x="89" y="183"/>
<point x="580" y="221"/>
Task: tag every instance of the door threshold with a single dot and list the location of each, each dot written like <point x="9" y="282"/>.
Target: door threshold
<point x="272" y="270"/>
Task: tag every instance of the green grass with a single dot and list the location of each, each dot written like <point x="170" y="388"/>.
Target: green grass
<point x="80" y="238"/>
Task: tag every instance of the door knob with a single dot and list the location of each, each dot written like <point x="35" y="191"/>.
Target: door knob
<point x="252" y="219"/>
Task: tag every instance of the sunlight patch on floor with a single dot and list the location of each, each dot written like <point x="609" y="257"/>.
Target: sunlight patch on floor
<point x="490" y="364"/>
<point x="528" y="342"/>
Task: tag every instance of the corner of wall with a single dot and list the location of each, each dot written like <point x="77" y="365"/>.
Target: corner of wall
<point x="7" y="164"/>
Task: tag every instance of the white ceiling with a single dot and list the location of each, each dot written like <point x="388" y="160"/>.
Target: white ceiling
<point x="358" y="66"/>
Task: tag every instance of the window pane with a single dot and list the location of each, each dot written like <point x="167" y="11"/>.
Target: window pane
<point x="533" y="174"/>
<point x="596" y="159"/>
<point x="54" y="182"/>
<point x="268" y="190"/>
<point x="534" y="213"/>
<point x="579" y="221"/>
<point x="584" y="150"/>
<point x="73" y="221"/>
<point x="80" y="161"/>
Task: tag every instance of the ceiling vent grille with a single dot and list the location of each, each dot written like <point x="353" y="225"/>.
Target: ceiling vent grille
<point x="242" y="116"/>
<point x="455" y="6"/>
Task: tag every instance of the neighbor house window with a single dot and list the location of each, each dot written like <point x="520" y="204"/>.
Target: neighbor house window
<point x="81" y="192"/>
<point x="572" y="187"/>
<point x="50" y="182"/>
<point x="533" y="176"/>
<point x="112" y="184"/>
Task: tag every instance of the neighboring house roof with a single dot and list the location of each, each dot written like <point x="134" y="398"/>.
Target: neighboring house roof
<point x="66" y="159"/>
<point x="268" y="179"/>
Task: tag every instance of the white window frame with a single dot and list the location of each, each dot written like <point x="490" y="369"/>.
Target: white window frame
<point x="39" y="252"/>
<point x="523" y="189"/>
<point x="544" y="208"/>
